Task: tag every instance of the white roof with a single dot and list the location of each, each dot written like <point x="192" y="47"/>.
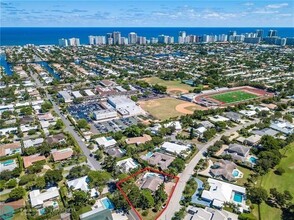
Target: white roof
<point x="89" y="92"/>
<point x="77" y="94"/>
<point x="174" y="148"/>
<point x="221" y="191"/>
<point x="201" y="130"/>
<point x="176" y="124"/>
<point x="65" y="95"/>
<point x="127" y="164"/>
<point x="38" y="198"/>
<point x="247" y="112"/>
<point x="106" y="142"/>
<point x="79" y="183"/>
<point x="30" y="143"/>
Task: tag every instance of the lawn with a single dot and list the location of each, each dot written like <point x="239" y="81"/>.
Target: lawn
<point x="163" y="109"/>
<point x="234" y="96"/>
<point x="284" y="182"/>
<point x="174" y="86"/>
<point x="246" y="173"/>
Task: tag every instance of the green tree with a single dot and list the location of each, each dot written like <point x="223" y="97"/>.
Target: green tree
<point x="58" y="125"/>
<point x="146" y="198"/>
<point x="82" y="123"/>
<point x="257" y="195"/>
<point x="80" y="197"/>
<point x="53" y="176"/>
<point x="160" y="194"/>
<point x="40" y="182"/>
<point x="46" y="106"/>
<point x="17" y="193"/>
<point x="98" y="178"/>
<point x="11" y="183"/>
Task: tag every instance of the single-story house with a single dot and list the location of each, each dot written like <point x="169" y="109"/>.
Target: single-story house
<point x="237" y="151"/>
<point x="29" y="160"/>
<point x="233" y="116"/>
<point x="196" y="213"/>
<point x="174" y="148"/>
<point x="105" y="142"/>
<point x="223" y="169"/>
<point x="152" y="183"/>
<point x="221" y="192"/>
<point x="284" y="127"/>
<point x="206" y="124"/>
<point x="265" y="131"/>
<point x="127" y="165"/>
<point x="159" y="159"/>
<point x="37" y="198"/>
<point x="9" y="149"/>
<point x="82" y="184"/>
<point x="62" y="154"/>
<point x="252" y="140"/>
<point x="139" y="140"/>
<point x="33" y="143"/>
<point x="56" y="139"/>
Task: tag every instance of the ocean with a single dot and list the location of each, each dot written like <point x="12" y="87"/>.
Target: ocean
<point x="44" y="36"/>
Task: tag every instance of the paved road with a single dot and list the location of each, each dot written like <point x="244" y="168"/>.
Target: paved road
<point x="91" y="160"/>
<point x="174" y="205"/>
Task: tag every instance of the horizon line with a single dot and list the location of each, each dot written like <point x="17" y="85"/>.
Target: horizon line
<point x="147" y="27"/>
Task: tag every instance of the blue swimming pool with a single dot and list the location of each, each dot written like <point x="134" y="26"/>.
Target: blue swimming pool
<point x="238" y="197"/>
<point x="107" y="204"/>
<point x="235" y="173"/>
<point x="42" y="211"/>
<point x="149" y="154"/>
<point x="8" y="162"/>
<point x="253" y="160"/>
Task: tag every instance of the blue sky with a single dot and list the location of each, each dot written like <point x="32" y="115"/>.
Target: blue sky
<point x="147" y="13"/>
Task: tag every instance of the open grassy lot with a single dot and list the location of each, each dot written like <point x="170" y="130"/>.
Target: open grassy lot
<point x="165" y="108"/>
<point x="284" y="182"/>
<point x="174" y="86"/>
<point x="234" y="96"/>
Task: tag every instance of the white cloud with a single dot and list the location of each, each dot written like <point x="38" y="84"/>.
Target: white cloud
<point x="275" y="6"/>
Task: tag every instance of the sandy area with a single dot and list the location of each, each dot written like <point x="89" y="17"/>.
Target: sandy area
<point x="182" y="108"/>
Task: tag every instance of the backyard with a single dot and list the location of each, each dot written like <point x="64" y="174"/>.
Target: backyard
<point x="234" y="96"/>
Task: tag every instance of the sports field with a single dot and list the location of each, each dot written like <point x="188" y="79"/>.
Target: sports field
<point x="233" y="96"/>
<point x="173" y="87"/>
<point x="166" y="108"/>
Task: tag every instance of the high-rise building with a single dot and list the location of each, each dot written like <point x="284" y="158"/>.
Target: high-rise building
<point x="110" y="41"/>
<point x="153" y="40"/>
<point x="141" y="40"/>
<point x="100" y="40"/>
<point x="182" y="37"/>
<point x="108" y="35"/>
<point x="92" y="40"/>
<point x="132" y="38"/>
<point x="74" y="41"/>
<point x="63" y="42"/>
<point x="124" y="40"/>
<point x="116" y="37"/>
<point x="222" y="38"/>
<point x="272" y="33"/>
<point x="232" y="33"/>
<point x="259" y="33"/>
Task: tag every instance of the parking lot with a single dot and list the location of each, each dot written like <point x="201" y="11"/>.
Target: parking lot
<point x="115" y="125"/>
<point x="84" y="110"/>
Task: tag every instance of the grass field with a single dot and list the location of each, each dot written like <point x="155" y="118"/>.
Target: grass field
<point x="284" y="182"/>
<point x="234" y="96"/>
<point x="174" y="86"/>
<point x="164" y="108"/>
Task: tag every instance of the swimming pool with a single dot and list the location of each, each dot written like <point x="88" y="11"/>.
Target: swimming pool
<point x="8" y="162"/>
<point x="42" y="211"/>
<point x="107" y="203"/>
<point x="109" y="138"/>
<point x="235" y="173"/>
<point x="238" y="197"/>
<point x="149" y="154"/>
<point x="253" y="160"/>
